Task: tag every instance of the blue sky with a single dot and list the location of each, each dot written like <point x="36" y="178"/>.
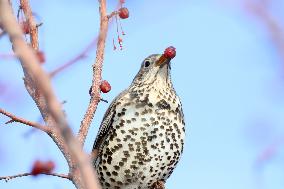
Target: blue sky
<point x="226" y="72"/>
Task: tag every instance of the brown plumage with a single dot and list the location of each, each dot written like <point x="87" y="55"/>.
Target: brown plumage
<point x="142" y="134"/>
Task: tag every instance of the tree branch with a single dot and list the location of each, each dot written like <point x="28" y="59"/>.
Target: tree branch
<point x="113" y="13"/>
<point x="24" y="121"/>
<point x="32" y="24"/>
<point x="83" y="175"/>
<point x="7" y="178"/>
<point x="7" y="56"/>
<point x="84" y="53"/>
<point x="273" y="25"/>
<point x="97" y="75"/>
<point x="78" y="57"/>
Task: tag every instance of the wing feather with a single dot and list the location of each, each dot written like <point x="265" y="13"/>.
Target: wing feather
<point x="107" y="122"/>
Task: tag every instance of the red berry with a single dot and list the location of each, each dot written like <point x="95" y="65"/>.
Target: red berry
<point x="40" y="167"/>
<point x="170" y="52"/>
<point x="37" y="168"/>
<point x="123" y="13"/>
<point x="40" y="56"/>
<point x="119" y="40"/>
<point x="49" y="166"/>
<point x="25" y="27"/>
<point x="105" y="86"/>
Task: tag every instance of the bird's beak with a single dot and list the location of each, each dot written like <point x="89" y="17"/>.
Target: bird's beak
<point x="162" y="61"/>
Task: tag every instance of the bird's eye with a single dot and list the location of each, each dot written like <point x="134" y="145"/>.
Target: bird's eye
<point x="147" y="63"/>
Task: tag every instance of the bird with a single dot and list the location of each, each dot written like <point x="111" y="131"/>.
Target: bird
<point x="141" y="137"/>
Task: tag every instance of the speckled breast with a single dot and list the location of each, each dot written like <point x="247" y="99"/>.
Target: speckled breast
<point x="144" y="144"/>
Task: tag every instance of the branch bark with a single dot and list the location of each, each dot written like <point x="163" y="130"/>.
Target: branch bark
<point x="7" y="178"/>
<point x="97" y="75"/>
<point x="25" y="5"/>
<point x="38" y="85"/>
<point x="82" y="172"/>
<point x="24" y="121"/>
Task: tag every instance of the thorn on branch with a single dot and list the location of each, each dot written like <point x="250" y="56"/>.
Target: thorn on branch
<point x="10" y="121"/>
<point x="103" y="100"/>
<point x="112" y="14"/>
<point x="40" y="24"/>
<point x="18" y="12"/>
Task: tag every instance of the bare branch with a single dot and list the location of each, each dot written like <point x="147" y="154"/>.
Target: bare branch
<point x="84" y="175"/>
<point x="273" y="25"/>
<point x="7" y="178"/>
<point x="85" y="52"/>
<point x="97" y="75"/>
<point x="24" y="121"/>
<point x="78" y="57"/>
<point x="112" y="14"/>
<point x="32" y="24"/>
<point x="8" y="56"/>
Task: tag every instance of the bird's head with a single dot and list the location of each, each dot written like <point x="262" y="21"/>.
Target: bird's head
<point x="155" y="68"/>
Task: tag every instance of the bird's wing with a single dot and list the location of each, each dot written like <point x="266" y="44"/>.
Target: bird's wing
<point x="107" y="122"/>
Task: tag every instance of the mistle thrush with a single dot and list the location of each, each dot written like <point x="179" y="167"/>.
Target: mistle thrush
<point x="142" y="134"/>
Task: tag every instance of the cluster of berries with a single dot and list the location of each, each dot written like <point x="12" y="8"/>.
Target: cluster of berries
<point x="41" y="167"/>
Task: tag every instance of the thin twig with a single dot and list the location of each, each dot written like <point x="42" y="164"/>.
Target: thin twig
<point x="8" y="56"/>
<point x="78" y="57"/>
<point x="7" y="178"/>
<point x="113" y="13"/>
<point x="269" y="152"/>
<point x="40" y="24"/>
<point x="103" y="100"/>
<point x="32" y="24"/>
<point x="273" y="25"/>
<point x="24" y="121"/>
<point x="97" y="75"/>
<point x="85" y="52"/>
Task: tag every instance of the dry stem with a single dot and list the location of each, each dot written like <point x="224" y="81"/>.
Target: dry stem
<point x="38" y="85"/>
<point x="97" y="75"/>
<point x="273" y="25"/>
<point x="24" y="121"/>
<point x="83" y="175"/>
<point x="32" y="24"/>
<point x="7" y="178"/>
<point x="84" y="53"/>
<point x="78" y="57"/>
